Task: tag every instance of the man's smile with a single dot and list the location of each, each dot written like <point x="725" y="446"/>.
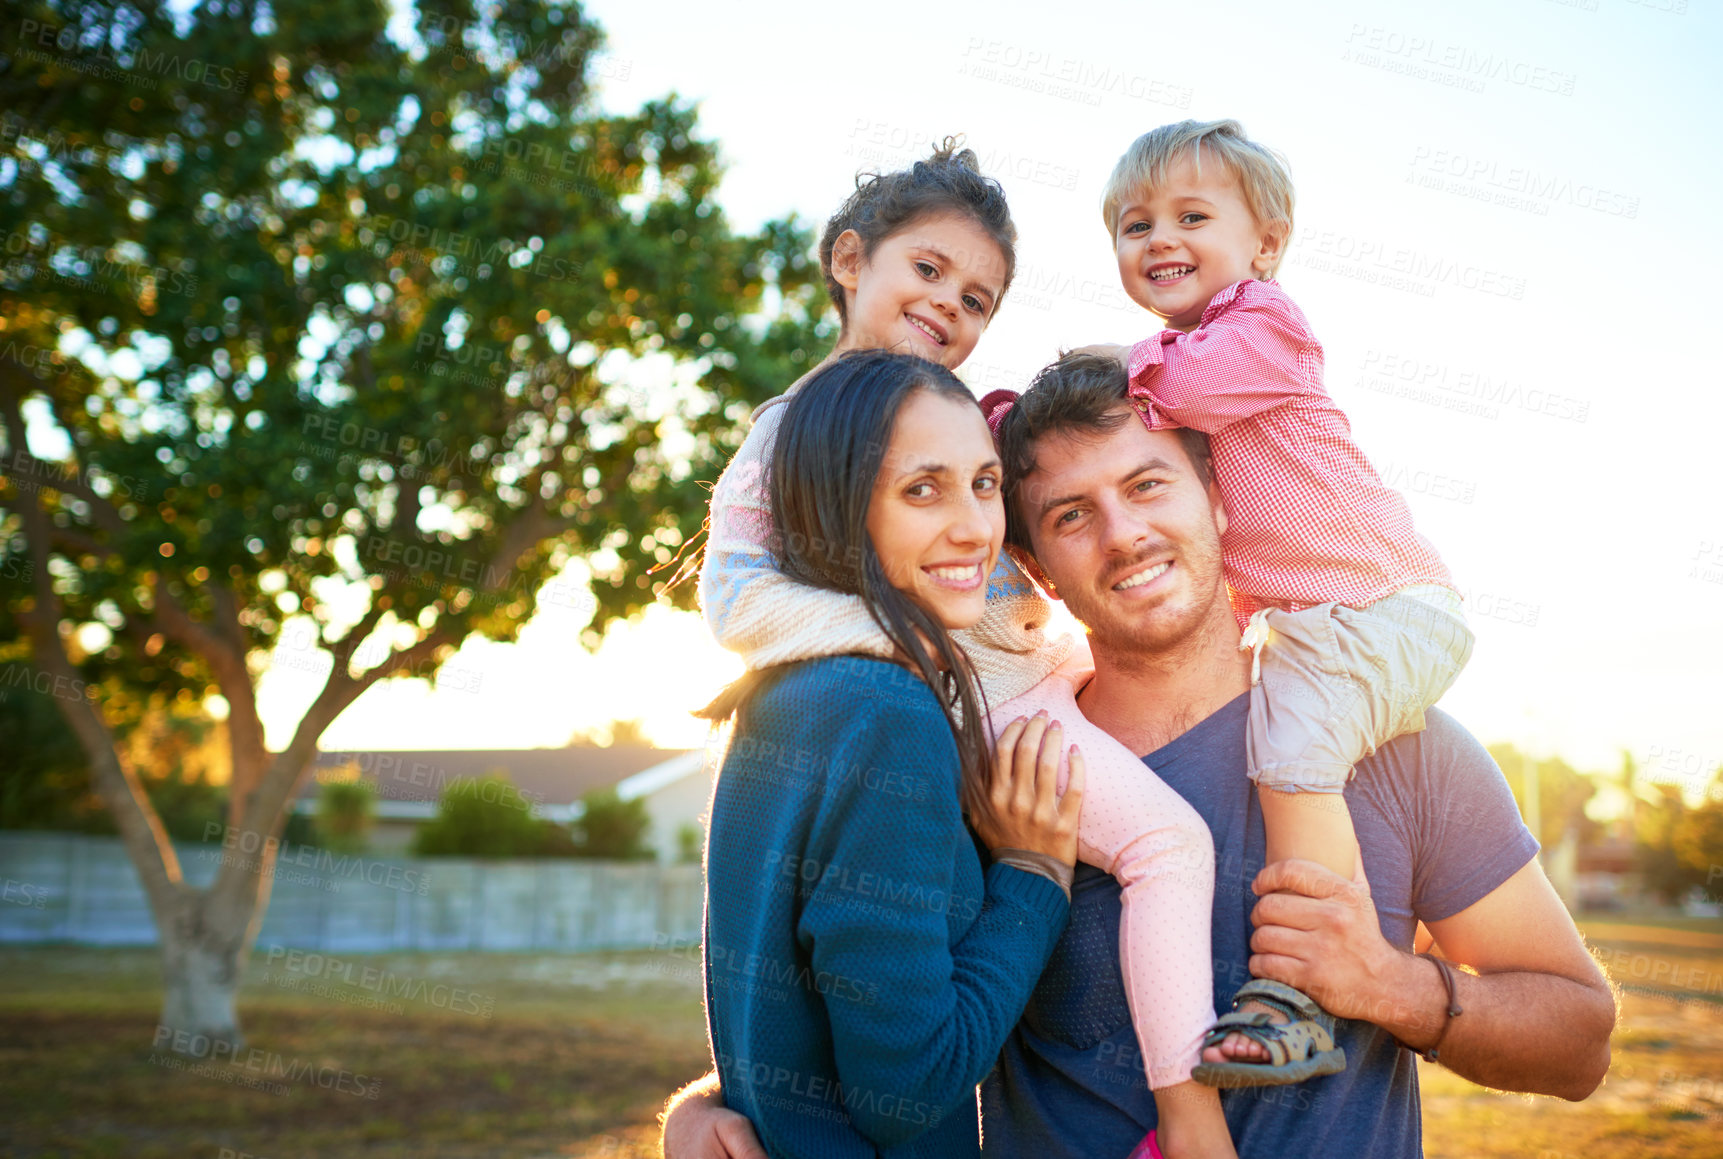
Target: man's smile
<point x="1144" y="575"/>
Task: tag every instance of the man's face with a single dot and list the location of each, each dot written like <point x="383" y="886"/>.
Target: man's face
<point x="1125" y="532"/>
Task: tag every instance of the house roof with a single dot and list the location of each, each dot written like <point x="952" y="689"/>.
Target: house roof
<point x="549" y="778"/>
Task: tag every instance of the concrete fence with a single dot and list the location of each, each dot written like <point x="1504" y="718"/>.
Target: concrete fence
<point x="64" y="887"/>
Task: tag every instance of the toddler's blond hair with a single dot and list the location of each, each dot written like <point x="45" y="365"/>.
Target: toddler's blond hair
<point x="1262" y="173"/>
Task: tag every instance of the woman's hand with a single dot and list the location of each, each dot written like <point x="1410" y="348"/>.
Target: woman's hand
<point x="1020" y="807"/>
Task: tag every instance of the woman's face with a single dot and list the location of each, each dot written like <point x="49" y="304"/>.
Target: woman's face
<point x="937" y="518"/>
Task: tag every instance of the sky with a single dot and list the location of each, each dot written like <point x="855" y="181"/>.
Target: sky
<point x="1504" y="239"/>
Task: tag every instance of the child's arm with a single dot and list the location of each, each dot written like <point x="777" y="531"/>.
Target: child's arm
<point x="752" y="608"/>
<point x="1009" y="646"/>
<point x="1256" y="353"/>
<point x="768" y="618"/>
<point x="1148" y="837"/>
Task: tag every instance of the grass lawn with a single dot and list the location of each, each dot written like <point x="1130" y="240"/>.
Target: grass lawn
<point x="458" y="1055"/>
<point x="1664" y="1092"/>
<point x="467" y="1055"/>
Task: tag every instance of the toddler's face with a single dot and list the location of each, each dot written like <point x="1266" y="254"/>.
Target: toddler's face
<point x="1181" y="244"/>
<point x="928" y="290"/>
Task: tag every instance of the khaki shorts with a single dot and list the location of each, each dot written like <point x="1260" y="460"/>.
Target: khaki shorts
<point x="1337" y="682"/>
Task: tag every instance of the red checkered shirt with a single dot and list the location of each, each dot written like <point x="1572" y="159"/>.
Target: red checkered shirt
<point x="1308" y="519"/>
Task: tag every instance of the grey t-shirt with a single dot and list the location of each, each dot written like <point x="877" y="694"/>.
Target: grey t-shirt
<point x="1439" y="831"/>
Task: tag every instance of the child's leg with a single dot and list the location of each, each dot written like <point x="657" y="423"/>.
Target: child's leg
<point x="1189" y="1123"/>
<point x="1310" y="826"/>
<point x="1336" y="683"/>
<point x="1159" y="849"/>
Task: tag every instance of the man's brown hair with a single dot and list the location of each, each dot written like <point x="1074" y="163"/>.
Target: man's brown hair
<point x="1079" y="392"/>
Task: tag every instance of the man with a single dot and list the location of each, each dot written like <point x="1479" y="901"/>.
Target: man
<point x="1097" y="498"/>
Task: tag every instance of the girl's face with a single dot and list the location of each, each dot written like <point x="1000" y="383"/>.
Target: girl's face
<point x="936" y="518"/>
<point x="928" y="289"/>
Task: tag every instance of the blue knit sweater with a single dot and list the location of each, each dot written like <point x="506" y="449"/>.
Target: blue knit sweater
<point x="862" y="968"/>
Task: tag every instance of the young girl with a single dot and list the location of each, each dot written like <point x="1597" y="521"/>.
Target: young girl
<point x="862" y="965"/>
<point x="918" y="261"/>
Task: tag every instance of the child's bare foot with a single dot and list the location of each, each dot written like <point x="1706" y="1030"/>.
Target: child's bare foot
<point x="1275" y="1035"/>
<point x="1238" y="1048"/>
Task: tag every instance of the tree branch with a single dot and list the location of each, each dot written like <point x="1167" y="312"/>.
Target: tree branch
<point x="74" y="540"/>
<point x="146" y="840"/>
<point x="266" y="811"/>
<point x="223" y="648"/>
<point x="244" y="725"/>
<point x="276" y="789"/>
<point x="106" y="515"/>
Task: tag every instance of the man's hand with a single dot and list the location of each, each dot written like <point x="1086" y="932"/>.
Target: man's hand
<point x="1319" y="932"/>
<point x="1537" y="1013"/>
<point x="697" y="1125"/>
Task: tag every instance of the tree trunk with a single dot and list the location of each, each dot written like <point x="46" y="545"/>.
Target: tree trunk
<point x="205" y="941"/>
<point x="201" y="969"/>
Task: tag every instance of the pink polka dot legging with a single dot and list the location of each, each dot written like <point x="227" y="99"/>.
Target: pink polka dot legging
<point x="1147" y="836"/>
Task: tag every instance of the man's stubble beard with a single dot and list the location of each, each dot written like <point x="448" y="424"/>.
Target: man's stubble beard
<point x="1165" y="636"/>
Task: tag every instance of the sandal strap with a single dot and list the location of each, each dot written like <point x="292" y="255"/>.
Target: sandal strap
<point x="1234" y="1023"/>
<point x="1295" y="1004"/>
<point x="1298" y="1039"/>
<point x="1270" y="1036"/>
<point x="1284" y="1041"/>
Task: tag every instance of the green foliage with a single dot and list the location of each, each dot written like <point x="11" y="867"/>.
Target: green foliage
<point x="346" y="806"/>
<point x="1698" y="840"/>
<point x="629" y="732"/>
<point x="484" y="817"/>
<point x="189" y="809"/>
<point x="318" y="314"/>
<point x="690" y="841"/>
<point x="1562" y="793"/>
<point x="1660" y="814"/>
<point x="45" y="777"/>
<point x="611" y="828"/>
<point x="1680" y="846"/>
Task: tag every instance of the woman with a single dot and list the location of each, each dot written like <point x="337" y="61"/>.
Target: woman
<point x="863" y="964"/>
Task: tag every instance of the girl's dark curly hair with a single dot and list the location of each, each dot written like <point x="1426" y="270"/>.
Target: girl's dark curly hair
<point x="950" y="181"/>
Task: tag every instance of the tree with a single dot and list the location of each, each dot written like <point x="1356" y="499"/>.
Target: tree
<point x="179" y="753"/>
<point x="346" y="806"/>
<point x="690" y="841"/>
<point x="317" y="340"/>
<point x="1659" y="816"/>
<point x="1562" y="792"/>
<point x="611" y="828"/>
<point x="44" y="778"/>
<point x="1698" y="838"/>
<point x="483" y="817"/>
<point x="624" y="733"/>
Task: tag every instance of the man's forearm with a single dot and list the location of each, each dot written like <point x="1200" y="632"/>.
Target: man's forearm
<point x="1538" y="1033"/>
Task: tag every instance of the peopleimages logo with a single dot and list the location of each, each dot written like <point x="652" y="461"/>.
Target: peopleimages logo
<point x="308" y="964"/>
<point x="260" y="1064"/>
<point x="92" y="55"/>
<point x="249" y="849"/>
<point x="773" y="1084"/>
